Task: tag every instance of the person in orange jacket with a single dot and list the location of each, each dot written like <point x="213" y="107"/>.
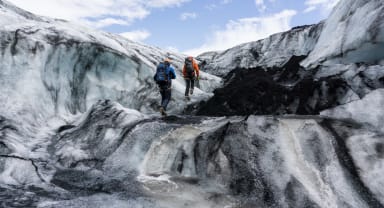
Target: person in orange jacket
<point x="190" y="73"/>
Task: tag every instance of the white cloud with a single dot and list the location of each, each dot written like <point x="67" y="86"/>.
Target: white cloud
<point x="260" y="5"/>
<point x="137" y="35"/>
<point x="325" y="6"/>
<point x="108" y="21"/>
<point x="188" y="15"/>
<point x="245" y="30"/>
<point x="211" y="7"/>
<point x="165" y="3"/>
<point x="99" y="12"/>
<point x="309" y="9"/>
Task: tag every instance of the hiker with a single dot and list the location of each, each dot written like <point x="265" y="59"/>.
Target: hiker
<point x="164" y="73"/>
<point x="190" y="73"/>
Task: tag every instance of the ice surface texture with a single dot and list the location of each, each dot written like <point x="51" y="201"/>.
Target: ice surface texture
<point x="78" y="129"/>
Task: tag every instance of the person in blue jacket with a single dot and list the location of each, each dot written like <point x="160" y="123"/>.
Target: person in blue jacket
<point x="163" y="77"/>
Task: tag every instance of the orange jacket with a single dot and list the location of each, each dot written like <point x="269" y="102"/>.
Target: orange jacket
<point x="195" y="66"/>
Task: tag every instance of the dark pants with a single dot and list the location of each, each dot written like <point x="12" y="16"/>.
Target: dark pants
<point x="165" y="96"/>
<point x="189" y="83"/>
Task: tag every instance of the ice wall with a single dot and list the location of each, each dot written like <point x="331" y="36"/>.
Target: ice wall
<point x="273" y="51"/>
<point x="52" y="67"/>
<point x="354" y="32"/>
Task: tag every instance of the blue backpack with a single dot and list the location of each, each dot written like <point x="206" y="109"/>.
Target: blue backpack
<point x="162" y="74"/>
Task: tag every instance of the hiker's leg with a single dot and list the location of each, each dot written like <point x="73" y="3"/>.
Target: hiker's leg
<point x="162" y="92"/>
<point x="192" y="83"/>
<point x="167" y="98"/>
<point x="187" y="84"/>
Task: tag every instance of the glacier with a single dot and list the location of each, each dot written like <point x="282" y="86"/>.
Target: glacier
<point x="275" y="50"/>
<point x="265" y="161"/>
<point x="69" y="67"/>
<point x="293" y="120"/>
<point x="357" y="31"/>
<point x="352" y="33"/>
<point x="305" y="70"/>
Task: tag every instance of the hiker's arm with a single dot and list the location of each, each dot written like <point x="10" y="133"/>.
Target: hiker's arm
<point x="173" y="74"/>
<point x="196" y="66"/>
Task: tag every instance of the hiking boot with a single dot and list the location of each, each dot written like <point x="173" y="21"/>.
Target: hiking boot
<point x="191" y="91"/>
<point x="162" y="111"/>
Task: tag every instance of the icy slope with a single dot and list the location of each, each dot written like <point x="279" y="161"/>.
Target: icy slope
<point x="291" y="89"/>
<point x="368" y="110"/>
<point x="341" y="60"/>
<point x="52" y="67"/>
<point x="273" y="51"/>
<point x="367" y="147"/>
<point x="118" y="157"/>
<point x="354" y="32"/>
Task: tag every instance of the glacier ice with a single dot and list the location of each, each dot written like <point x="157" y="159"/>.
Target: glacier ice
<point x="352" y="33"/>
<point x="249" y="157"/>
<point x="275" y="50"/>
<point x="78" y="126"/>
<point x="366" y="111"/>
<point x="61" y="68"/>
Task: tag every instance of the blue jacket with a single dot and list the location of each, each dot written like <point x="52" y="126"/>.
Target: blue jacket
<point x="169" y="70"/>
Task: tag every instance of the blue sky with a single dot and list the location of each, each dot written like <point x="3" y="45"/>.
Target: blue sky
<point x="187" y="26"/>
